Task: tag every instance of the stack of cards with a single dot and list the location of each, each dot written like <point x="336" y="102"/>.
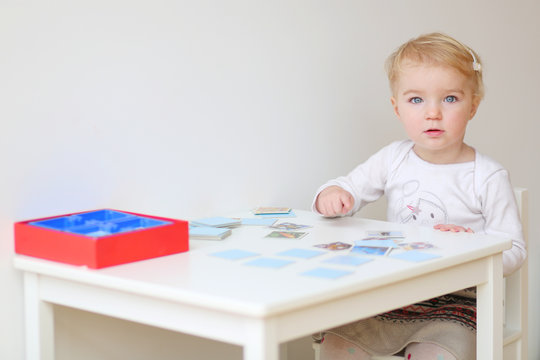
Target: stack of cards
<point x="217" y="221"/>
<point x="212" y="228"/>
<point x="269" y="211"/>
<point x="208" y="233"/>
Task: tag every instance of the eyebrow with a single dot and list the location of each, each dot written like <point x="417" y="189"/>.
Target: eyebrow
<point x="413" y="91"/>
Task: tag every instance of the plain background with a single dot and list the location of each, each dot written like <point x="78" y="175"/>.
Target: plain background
<point x="201" y="108"/>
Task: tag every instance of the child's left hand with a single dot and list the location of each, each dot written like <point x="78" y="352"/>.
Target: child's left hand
<point x="452" y="228"/>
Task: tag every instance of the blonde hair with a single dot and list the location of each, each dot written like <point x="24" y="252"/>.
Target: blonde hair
<point x="437" y="49"/>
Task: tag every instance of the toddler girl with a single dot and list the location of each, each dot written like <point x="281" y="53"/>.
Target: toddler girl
<point x="432" y="179"/>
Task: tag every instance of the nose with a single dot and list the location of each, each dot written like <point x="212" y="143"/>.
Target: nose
<point x="433" y="112"/>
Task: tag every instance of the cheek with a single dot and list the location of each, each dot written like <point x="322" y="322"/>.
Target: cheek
<point x="412" y="121"/>
<point x="412" y="129"/>
<point x="459" y="121"/>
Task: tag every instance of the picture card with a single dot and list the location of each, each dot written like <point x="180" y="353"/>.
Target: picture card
<point x="338" y="245"/>
<point x="290" y="226"/>
<point x="371" y="250"/>
<point x="376" y="242"/>
<point x="385" y="233"/>
<point x="269" y="262"/>
<point x="234" y="254"/>
<point x="301" y="253"/>
<point x="286" y="235"/>
<point x="415" y="256"/>
<point x="416" y="245"/>
<point x="326" y="273"/>
<point x="349" y="260"/>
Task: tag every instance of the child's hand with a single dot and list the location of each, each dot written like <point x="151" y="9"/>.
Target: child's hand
<point x="334" y="201"/>
<point x="452" y="228"/>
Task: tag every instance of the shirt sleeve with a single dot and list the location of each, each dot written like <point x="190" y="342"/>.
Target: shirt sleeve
<point x="502" y="219"/>
<point x="366" y="182"/>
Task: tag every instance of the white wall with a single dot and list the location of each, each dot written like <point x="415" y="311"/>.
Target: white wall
<point x="192" y="108"/>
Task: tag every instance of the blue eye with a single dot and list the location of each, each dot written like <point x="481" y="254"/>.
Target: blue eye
<point x="450" y="99"/>
<point x="415" y="100"/>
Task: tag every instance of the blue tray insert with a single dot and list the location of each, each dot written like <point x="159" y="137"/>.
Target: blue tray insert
<point x="99" y="223"/>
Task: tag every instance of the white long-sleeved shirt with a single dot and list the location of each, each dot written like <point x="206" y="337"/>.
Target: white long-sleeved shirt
<point x="475" y="194"/>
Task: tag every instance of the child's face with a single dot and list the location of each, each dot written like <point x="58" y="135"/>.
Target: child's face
<point x="435" y="103"/>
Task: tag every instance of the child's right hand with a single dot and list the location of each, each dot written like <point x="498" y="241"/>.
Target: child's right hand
<point x="452" y="228"/>
<point x="334" y="201"/>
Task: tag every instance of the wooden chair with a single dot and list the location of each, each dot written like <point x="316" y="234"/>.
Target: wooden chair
<point x="515" y="305"/>
<point x="516" y="295"/>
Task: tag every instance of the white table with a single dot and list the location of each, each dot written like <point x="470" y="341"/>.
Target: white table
<point x="259" y="308"/>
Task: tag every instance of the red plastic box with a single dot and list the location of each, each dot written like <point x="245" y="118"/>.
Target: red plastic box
<point x="101" y="238"/>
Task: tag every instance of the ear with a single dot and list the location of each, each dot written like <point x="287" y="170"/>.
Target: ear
<point x="474" y="106"/>
<point x="395" y="106"/>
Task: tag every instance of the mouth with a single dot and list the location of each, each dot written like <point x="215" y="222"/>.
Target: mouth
<point x="434" y="132"/>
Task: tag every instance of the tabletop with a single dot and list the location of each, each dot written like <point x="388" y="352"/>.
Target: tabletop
<point x="271" y="278"/>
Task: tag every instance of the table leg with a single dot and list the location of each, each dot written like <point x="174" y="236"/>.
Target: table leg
<point x="261" y="342"/>
<point x="489" y="344"/>
<point x="38" y="321"/>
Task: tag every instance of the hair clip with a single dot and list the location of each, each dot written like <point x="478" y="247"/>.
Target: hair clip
<point x="475" y="65"/>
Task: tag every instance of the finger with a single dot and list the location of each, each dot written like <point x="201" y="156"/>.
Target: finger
<point x="348" y="202"/>
<point x="337" y="207"/>
<point x="456" y="228"/>
<point x="327" y="207"/>
<point x="441" y="227"/>
<point x="327" y="210"/>
<point x="318" y="206"/>
<point x="323" y="209"/>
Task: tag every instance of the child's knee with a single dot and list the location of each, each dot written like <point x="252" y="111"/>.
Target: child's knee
<point x="334" y="347"/>
<point x="427" y="351"/>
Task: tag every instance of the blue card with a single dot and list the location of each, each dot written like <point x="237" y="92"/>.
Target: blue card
<point x="371" y="250"/>
<point x="326" y="273"/>
<point x="378" y="242"/>
<point x="415" y="256"/>
<point x="301" y="253"/>
<point x="269" y="262"/>
<point x="347" y="260"/>
<point x="258" y="221"/>
<point x="234" y="254"/>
